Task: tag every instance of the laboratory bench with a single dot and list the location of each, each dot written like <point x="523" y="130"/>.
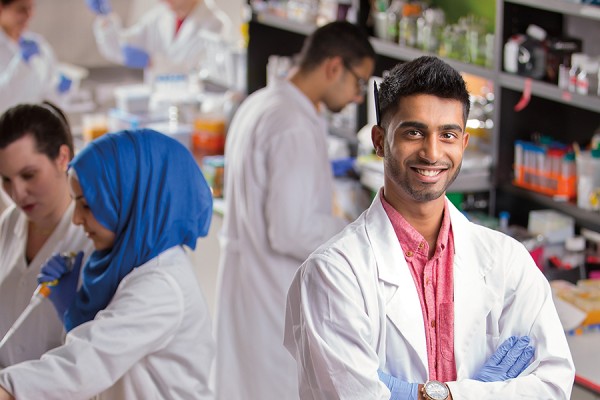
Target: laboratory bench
<point x="585" y="349"/>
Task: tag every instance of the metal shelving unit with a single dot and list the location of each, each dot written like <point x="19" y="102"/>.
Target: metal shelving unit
<point x="584" y="218"/>
<point x="561" y="6"/>
<point x="551" y="92"/>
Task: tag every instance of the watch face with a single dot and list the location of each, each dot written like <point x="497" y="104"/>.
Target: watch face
<point x="436" y="390"/>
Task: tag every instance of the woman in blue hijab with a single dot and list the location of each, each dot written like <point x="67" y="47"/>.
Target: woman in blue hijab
<point x="138" y="327"/>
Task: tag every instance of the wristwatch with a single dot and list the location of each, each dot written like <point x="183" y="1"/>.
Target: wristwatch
<point x="435" y="390"/>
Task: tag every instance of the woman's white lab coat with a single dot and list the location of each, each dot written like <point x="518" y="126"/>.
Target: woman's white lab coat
<point x="152" y="341"/>
<point x="278" y="209"/>
<point x="353" y="308"/>
<point x="22" y="82"/>
<point x="155" y="34"/>
<point x="42" y="330"/>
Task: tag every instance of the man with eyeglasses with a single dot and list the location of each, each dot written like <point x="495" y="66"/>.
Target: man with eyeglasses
<point x="278" y="207"/>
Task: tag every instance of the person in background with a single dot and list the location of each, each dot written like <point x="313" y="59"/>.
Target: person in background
<point x="169" y="38"/>
<point x="278" y="207"/>
<point x="35" y="149"/>
<point x="414" y="295"/>
<point x="138" y="327"/>
<point x="28" y="67"/>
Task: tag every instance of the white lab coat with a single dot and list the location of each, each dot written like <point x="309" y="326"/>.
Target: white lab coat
<point x="278" y="209"/>
<point x="42" y="330"/>
<point x="152" y="341"/>
<point x="32" y="82"/>
<point x="155" y="33"/>
<point x="353" y="308"/>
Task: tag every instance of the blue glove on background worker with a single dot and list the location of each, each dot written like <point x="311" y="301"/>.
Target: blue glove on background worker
<point x="134" y="57"/>
<point x="63" y="293"/>
<point x="29" y="48"/>
<point x="64" y="84"/>
<point x="100" y="7"/>
<point x="511" y="358"/>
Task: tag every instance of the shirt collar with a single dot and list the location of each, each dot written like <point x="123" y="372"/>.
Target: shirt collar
<point x="409" y="237"/>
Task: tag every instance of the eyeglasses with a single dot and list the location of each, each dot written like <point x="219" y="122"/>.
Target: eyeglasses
<point x="361" y="83"/>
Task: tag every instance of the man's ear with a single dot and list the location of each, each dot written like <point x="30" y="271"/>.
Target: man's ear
<point x="378" y="139"/>
<point x="333" y="67"/>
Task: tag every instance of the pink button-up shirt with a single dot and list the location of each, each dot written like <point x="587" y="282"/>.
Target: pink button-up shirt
<point x="435" y="285"/>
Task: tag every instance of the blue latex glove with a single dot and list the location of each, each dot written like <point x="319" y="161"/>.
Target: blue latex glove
<point x="63" y="293"/>
<point x="135" y="57"/>
<point x="29" y="48"/>
<point x="400" y="390"/>
<point x="100" y="7"/>
<point x="64" y="84"/>
<point x="511" y="358"/>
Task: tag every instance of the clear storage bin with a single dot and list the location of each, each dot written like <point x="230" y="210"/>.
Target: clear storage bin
<point x="588" y="180"/>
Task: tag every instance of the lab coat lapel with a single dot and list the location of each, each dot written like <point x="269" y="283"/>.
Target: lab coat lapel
<point x="473" y="299"/>
<point x="403" y="307"/>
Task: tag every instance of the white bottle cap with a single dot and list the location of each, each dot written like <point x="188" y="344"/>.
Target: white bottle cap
<point x="536" y="32"/>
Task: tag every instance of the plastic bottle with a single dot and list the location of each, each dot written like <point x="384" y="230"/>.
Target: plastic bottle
<point x="577" y="60"/>
<point x="575" y="254"/>
<point x="587" y="79"/>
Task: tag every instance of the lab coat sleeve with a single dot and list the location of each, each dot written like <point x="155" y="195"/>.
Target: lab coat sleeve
<point x="40" y="72"/>
<point x="330" y="335"/>
<point x="528" y="310"/>
<point x="111" y="36"/>
<point x="141" y="319"/>
<point x="298" y="221"/>
<point x="107" y="31"/>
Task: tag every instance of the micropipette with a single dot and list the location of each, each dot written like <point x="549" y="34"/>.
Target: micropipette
<point x="41" y="292"/>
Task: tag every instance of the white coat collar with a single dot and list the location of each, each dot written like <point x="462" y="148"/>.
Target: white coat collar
<point x="57" y="236"/>
<point x="7" y="41"/>
<point x="292" y="91"/>
<point x="403" y="307"/>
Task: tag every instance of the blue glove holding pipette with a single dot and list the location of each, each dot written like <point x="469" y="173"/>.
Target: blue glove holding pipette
<point x="64" y="84"/>
<point x="29" y="48"/>
<point x="511" y="358"/>
<point x="62" y="275"/>
<point x="134" y="57"/>
<point x="99" y="7"/>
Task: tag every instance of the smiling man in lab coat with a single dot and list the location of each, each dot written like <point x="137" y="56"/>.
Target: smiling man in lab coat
<point x="278" y="208"/>
<point x="412" y="288"/>
<point x="170" y="38"/>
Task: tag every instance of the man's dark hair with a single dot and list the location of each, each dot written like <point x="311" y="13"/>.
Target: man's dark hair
<point x="423" y="75"/>
<point x="336" y="39"/>
<point x="45" y="122"/>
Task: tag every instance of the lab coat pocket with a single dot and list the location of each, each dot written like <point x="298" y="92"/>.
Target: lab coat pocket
<point x="446" y="327"/>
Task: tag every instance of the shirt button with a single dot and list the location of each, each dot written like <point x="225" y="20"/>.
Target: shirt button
<point x="427" y="281"/>
<point x="421" y="245"/>
<point x="409" y="253"/>
<point x="433" y="323"/>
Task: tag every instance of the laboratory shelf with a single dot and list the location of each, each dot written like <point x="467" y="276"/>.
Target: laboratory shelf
<point x="561" y="6"/>
<point x="285" y="23"/>
<point x="551" y="92"/>
<point x="393" y="50"/>
<point x="583" y="218"/>
<point x="382" y="47"/>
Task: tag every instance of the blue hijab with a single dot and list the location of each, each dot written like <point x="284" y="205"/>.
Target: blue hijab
<point x="147" y="189"/>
